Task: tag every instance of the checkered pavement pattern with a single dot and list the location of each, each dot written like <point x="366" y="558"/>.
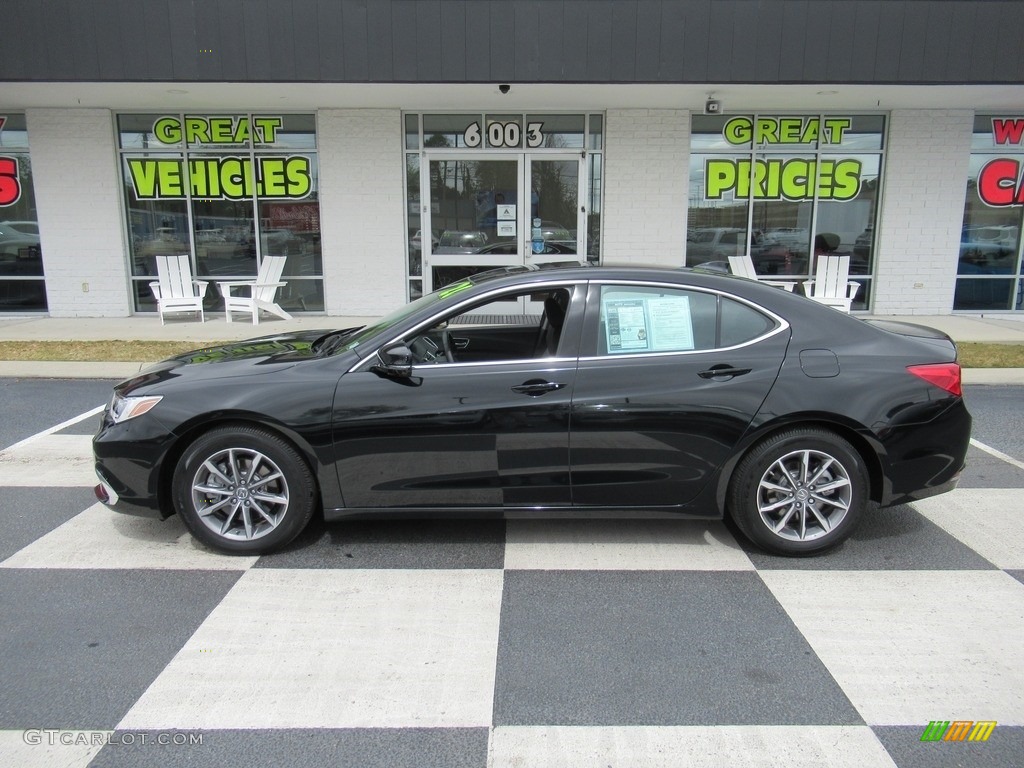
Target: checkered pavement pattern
<point x="503" y="643"/>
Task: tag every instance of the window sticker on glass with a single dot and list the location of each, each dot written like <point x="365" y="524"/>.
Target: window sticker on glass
<point x="626" y="325"/>
<point x="671" y="323"/>
<point x="654" y="324"/>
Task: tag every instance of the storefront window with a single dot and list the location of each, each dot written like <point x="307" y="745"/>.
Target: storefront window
<point x="785" y="189"/>
<point x="22" y="287"/>
<point x="990" y="271"/>
<point x="229" y="190"/>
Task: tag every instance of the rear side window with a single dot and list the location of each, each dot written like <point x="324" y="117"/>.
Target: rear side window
<point x="741" y="323"/>
<point x="648" y="319"/>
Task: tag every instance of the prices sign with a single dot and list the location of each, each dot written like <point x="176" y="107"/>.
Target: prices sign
<point x="780" y="178"/>
<point x="220" y="177"/>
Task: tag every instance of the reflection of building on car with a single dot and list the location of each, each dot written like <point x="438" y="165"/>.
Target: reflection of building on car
<point x="747" y="402"/>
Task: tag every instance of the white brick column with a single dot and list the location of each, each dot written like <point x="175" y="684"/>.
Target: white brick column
<point x="646" y="182"/>
<point x="75" y="173"/>
<point x="362" y="221"/>
<point x="926" y="167"/>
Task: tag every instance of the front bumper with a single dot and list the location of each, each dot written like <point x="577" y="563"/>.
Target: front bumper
<point x="139" y="507"/>
<point x="128" y="461"/>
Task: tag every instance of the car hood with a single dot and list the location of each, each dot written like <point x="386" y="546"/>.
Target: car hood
<point x="251" y="357"/>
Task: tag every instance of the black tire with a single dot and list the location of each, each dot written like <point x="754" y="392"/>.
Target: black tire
<point x="800" y="492"/>
<point x="260" y="506"/>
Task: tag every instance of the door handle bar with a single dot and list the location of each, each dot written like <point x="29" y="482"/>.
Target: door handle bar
<point x="722" y="370"/>
<point x="535" y="388"/>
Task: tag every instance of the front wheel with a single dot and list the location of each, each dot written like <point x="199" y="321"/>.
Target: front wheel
<point x="800" y="492"/>
<point x="243" y="490"/>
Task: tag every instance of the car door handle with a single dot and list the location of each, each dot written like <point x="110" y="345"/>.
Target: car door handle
<point x="536" y="387"/>
<point x="722" y="372"/>
<point x="459" y="342"/>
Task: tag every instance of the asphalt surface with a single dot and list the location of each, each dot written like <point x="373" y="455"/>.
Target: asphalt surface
<point x="496" y="644"/>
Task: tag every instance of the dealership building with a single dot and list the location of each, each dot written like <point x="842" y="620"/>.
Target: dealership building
<point x="389" y="147"/>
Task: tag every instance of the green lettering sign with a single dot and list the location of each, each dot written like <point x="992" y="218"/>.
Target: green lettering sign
<point x="278" y="177"/>
<point x="794" y="179"/>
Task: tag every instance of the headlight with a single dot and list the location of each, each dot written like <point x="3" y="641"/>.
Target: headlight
<point x="124" y="408"/>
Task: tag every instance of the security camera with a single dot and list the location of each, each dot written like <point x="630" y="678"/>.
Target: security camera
<point x="712" y="107"/>
<point x="504" y="87"/>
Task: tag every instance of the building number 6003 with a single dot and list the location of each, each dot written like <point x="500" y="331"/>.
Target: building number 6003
<point x="504" y="135"/>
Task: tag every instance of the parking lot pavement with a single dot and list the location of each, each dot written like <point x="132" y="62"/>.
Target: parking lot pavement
<point x="519" y="643"/>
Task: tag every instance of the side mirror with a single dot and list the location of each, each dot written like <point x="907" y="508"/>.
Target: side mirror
<point x="395" y="362"/>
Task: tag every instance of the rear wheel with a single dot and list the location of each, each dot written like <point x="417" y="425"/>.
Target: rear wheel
<point x="243" y="490"/>
<point x="799" y="493"/>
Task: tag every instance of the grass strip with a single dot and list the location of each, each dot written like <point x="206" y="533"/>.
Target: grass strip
<point x="972" y="354"/>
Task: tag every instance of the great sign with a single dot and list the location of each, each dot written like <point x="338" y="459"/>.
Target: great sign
<point x="780" y="178"/>
<point x="220" y="177"/>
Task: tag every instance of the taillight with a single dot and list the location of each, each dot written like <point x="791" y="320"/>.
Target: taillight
<point x="943" y="375"/>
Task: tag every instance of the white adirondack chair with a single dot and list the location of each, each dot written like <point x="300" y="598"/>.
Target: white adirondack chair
<point x="831" y="284"/>
<point x="257" y="295"/>
<point x="744" y="267"/>
<point x="175" y="290"/>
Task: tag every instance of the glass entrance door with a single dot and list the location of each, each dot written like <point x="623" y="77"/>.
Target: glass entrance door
<point x="498" y="210"/>
<point x="556" y="217"/>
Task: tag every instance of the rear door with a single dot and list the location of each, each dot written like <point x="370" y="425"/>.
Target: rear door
<point x="669" y="379"/>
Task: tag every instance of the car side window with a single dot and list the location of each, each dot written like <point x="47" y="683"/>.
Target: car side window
<point x="741" y="323"/>
<point x="647" y="319"/>
<point x="496" y="330"/>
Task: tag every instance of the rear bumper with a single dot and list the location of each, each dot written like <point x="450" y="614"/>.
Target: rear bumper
<point x="927" y="459"/>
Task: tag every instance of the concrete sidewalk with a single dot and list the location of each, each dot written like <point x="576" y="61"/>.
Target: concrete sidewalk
<point x="994" y="328"/>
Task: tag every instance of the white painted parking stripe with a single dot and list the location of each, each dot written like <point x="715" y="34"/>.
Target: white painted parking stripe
<point x="55" y="428"/>
<point x="336" y="649"/>
<point x="904" y="645"/>
<point x="602" y="545"/>
<point x="742" y="746"/>
<point x="49" y="461"/>
<point x="997" y="453"/>
<point x="985" y="519"/>
<point x="101" y="538"/>
<point x="45" y="747"/>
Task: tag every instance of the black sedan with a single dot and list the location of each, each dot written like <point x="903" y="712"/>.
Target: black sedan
<point x="549" y="392"/>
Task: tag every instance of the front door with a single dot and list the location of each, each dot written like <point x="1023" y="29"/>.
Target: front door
<point x="500" y="210"/>
<point x="480" y="423"/>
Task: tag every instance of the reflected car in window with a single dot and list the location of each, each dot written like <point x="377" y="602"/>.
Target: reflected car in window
<point x="560" y="391"/>
<point x="453" y="241"/>
<point x="511" y="247"/>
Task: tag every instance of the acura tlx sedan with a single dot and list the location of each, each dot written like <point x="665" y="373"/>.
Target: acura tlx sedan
<point x="548" y="392"/>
